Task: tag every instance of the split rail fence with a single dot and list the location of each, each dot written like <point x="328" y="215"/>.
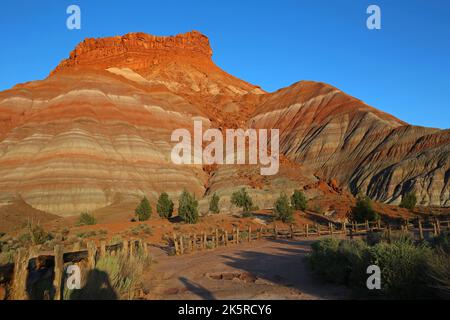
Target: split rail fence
<point x="188" y="243"/>
<point x="27" y="259"/>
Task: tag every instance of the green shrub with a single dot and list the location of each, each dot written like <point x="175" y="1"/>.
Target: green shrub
<point x="408" y="271"/>
<point x="401" y="264"/>
<point x="37" y="234"/>
<point x="437" y="274"/>
<point x="214" y="204"/>
<point x="299" y="201"/>
<point x="164" y="207"/>
<point x="188" y="208"/>
<point x="86" y="219"/>
<point x="283" y="211"/>
<point x="242" y="199"/>
<point x="363" y="210"/>
<point x="144" y="210"/>
<point x="114" y="277"/>
<point x="409" y="201"/>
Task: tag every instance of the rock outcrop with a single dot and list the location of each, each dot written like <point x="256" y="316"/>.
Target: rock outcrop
<point x="97" y="131"/>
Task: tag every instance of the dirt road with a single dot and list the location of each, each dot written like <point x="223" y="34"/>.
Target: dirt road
<point x="264" y="269"/>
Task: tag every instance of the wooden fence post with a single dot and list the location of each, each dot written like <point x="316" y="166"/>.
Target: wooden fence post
<point x="76" y="246"/>
<point x="307" y="230"/>
<point x="389" y="232"/>
<point x="318" y="229"/>
<point x="438" y="226"/>
<point x="367" y="226"/>
<point x="58" y="271"/>
<point x="181" y="244"/>
<point x="92" y="253"/>
<point x="420" y="230"/>
<point x="175" y="243"/>
<point x="102" y="247"/>
<point x="125" y="247"/>
<point x="435" y="233"/>
<point x="330" y="226"/>
<point x="205" y="240"/>
<point x="237" y="235"/>
<point x="378" y="224"/>
<point x="249" y="233"/>
<point x="216" y="232"/>
<point x="344" y="228"/>
<point x="291" y="228"/>
<point x="19" y="286"/>
<point x="275" y="231"/>
<point x="226" y="238"/>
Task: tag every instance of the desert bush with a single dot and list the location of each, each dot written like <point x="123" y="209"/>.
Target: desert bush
<point x="338" y="261"/>
<point x="247" y="215"/>
<point x="141" y="228"/>
<point x="317" y="209"/>
<point x="442" y="241"/>
<point x="283" y="211"/>
<point x="188" y="208"/>
<point x="214" y="203"/>
<point x="86" y="219"/>
<point x="144" y="210"/>
<point x="401" y="264"/>
<point x="409" y="201"/>
<point x="114" y="277"/>
<point x="437" y="274"/>
<point x="36" y="234"/>
<point x="299" y="201"/>
<point x="86" y="234"/>
<point x="242" y="199"/>
<point x="363" y="210"/>
<point x="164" y="207"/>
<point x="408" y="271"/>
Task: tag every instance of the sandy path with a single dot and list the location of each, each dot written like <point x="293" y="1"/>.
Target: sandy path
<point x="264" y="269"/>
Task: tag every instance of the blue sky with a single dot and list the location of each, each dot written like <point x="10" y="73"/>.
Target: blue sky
<point x="403" y="69"/>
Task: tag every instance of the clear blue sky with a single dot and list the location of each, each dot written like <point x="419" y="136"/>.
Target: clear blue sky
<point x="403" y="69"/>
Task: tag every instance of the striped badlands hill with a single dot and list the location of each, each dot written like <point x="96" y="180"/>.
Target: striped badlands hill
<point x="97" y="131"/>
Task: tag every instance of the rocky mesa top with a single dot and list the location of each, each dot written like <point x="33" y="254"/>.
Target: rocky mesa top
<point x="104" y="51"/>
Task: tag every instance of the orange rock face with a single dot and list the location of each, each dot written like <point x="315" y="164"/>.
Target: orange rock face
<point x="97" y="132"/>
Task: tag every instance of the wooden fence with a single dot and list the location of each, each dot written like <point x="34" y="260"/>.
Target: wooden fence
<point x="18" y="273"/>
<point x="188" y="243"/>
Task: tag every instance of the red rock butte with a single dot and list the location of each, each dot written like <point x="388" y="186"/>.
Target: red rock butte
<point x="96" y="133"/>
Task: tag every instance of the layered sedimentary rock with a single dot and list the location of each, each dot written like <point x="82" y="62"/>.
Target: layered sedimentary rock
<point x="98" y="129"/>
<point x="337" y="136"/>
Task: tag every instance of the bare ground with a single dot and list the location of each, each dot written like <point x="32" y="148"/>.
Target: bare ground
<point x="264" y="269"/>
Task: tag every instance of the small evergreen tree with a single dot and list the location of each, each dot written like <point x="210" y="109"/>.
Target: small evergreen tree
<point x="299" y="201"/>
<point x="143" y="210"/>
<point x="86" y="219"/>
<point x="242" y="199"/>
<point x="164" y="207"/>
<point x="409" y="201"/>
<point x="363" y="210"/>
<point x="188" y="208"/>
<point x="283" y="211"/>
<point x="214" y="204"/>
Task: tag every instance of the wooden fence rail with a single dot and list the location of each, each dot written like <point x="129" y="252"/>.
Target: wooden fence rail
<point x="188" y="243"/>
<point x="17" y="273"/>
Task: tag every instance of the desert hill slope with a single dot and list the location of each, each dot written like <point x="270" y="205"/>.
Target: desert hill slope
<point x="97" y="131"/>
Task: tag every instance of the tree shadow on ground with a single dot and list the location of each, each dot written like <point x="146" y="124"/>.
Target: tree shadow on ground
<point x="197" y="289"/>
<point x="286" y="266"/>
